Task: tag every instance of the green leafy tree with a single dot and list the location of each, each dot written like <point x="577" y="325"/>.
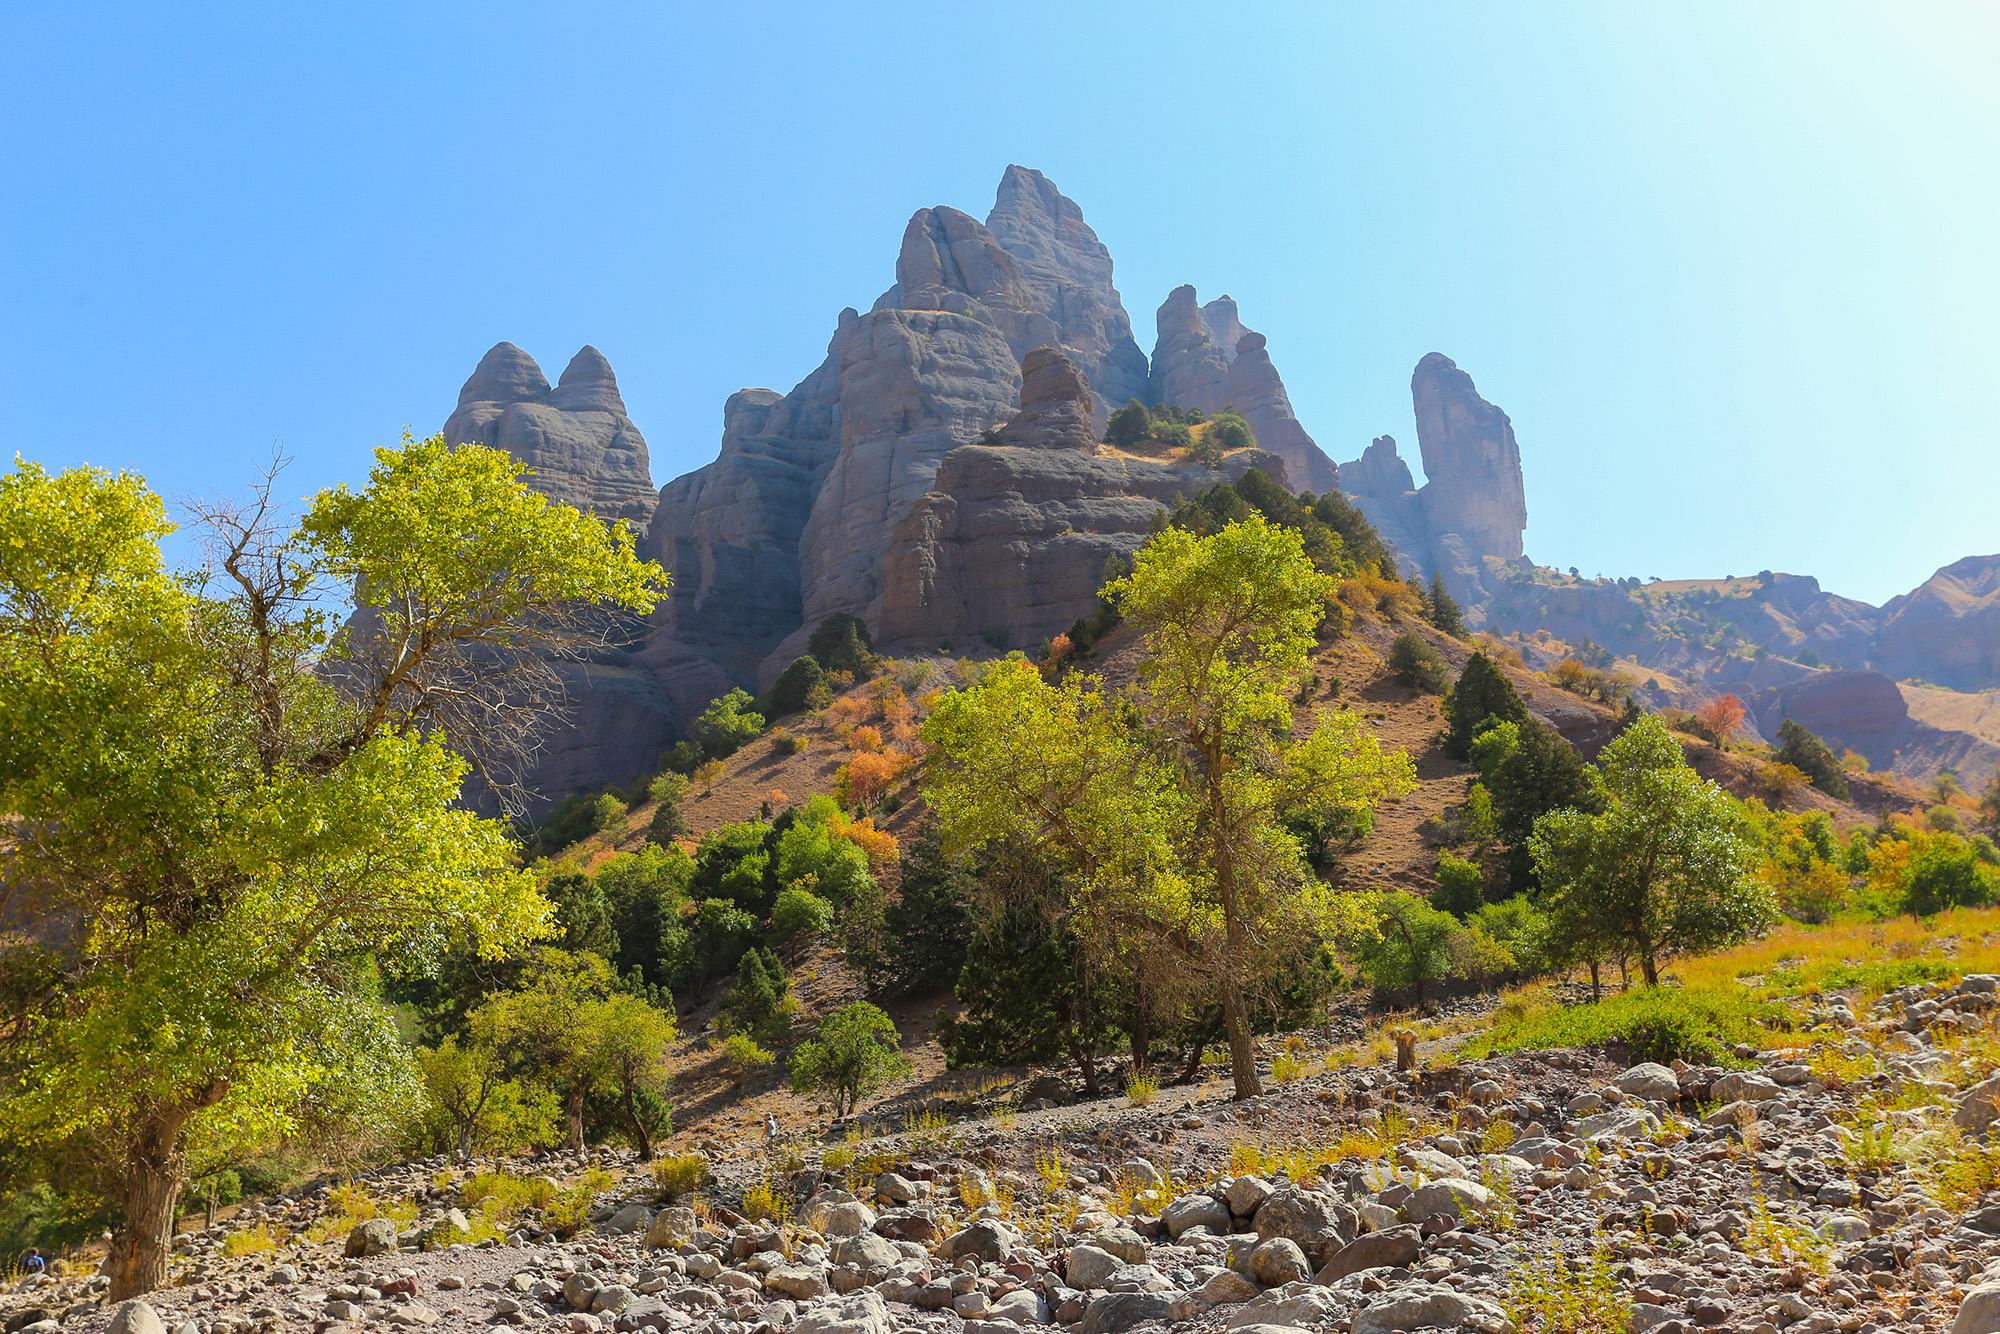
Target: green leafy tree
<point x="929" y="927"/>
<point x="228" y="808"/>
<point x="582" y="913"/>
<point x="841" y="643"/>
<point x="669" y="824"/>
<point x="793" y="690"/>
<point x="1528" y="770"/>
<point x="856" y="1051"/>
<point x="477" y="1106"/>
<point x="1027" y="994"/>
<point x="728" y="724"/>
<point x="1799" y="747"/>
<point x="1443" y="609"/>
<point x="1461" y="885"/>
<point x="1129" y="426"/>
<point x="460" y="1081"/>
<point x="540" y="1025"/>
<point x="799" y="912"/>
<point x="1989" y="805"/>
<point x="629" y="1041"/>
<point x="1483" y="696"/>
<point x="1166" y="802"/>
<point x="647" y="897"/>
<point x="1407" y="946"/>
<point x="809" y="855"/>
<point x="761" y="1003"/>
<point x="1664" y="866"/>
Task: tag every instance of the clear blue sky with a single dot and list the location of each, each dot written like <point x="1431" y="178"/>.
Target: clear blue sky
<point x="1733" y="270"/>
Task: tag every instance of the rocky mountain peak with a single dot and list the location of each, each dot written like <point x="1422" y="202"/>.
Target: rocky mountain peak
<point x="588" y="385"/>
<point x="1205" y="358"/>
<point x="576" y="437"/>
<point x="945" y="250"/>
<point x="505" y="374"/>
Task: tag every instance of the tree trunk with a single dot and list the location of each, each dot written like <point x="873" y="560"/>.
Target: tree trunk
<point x="639" y="1135"/>
<point x="465" y="1140"/>
<point x="1142" y="1034"/>
<point x="1596" y="985"/>
<point x="1651" y="968"/>
<point x="155" y="1176"/>
<point x="575" y="1119"/>
<point x="1242" y="1047"/>
<point x="1193" y="1066"/>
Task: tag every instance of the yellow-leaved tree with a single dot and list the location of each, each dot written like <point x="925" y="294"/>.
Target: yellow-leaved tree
<point x="227" y="816"/>
<point x="1166" y="801"/>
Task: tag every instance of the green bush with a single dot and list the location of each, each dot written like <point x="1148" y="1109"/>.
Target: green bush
<point x="800" y="912"/>
<point x="1655" y="1024"/>
<point x="727" y="724"/>
<point x="1229" y="431"/>
<point x="1128" y="426"/>
<point x="742" y="1057"/>
<point x="841" y="643"/>
<point x="1419" y="665"/>
<point x="794" y="687"/>
<point x="1461" y="885"/>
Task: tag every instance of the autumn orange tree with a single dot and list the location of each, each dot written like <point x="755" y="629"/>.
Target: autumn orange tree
<point x="1721" y="716"/>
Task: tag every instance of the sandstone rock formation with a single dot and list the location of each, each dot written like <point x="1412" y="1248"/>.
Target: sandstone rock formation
<point x="1204" y="358"/>
<point x="1011" y="543"/>
<point x="1472" y="504"/>
<point x="576" y="437"/>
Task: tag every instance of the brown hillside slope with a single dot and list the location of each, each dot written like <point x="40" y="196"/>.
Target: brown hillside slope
<point x="1401" y="852"/>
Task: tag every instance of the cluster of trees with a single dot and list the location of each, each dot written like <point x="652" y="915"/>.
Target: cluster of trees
<point x="1159" y="810"/>
<point x="1168" y="429"/>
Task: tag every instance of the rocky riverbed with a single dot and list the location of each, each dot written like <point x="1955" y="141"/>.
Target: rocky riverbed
<point x="1841" y="1192"/>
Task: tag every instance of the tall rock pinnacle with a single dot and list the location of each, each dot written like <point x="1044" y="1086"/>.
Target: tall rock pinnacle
<point x="1472" y="467"/>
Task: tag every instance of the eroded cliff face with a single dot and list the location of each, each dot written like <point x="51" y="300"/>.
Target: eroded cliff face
<point x="1013" y="541"/>
<point x="1205" y="358"/>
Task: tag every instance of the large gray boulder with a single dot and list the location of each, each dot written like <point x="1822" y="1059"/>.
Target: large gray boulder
<point x="1430" y="1306"/>
<point x="134" y="1317"/>
<point x="1116" y="1312"/>
<point x="1319" y="1226"/>
<point x="374" y="1236"/>
<point x="1978" y="1107"/>
<point x="1390" y="1248"/>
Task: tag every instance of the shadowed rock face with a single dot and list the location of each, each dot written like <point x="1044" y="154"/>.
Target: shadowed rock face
<point x="576" y="437"/>
<point x="1012" y="542"/>
<point x="1204" y="358"/>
